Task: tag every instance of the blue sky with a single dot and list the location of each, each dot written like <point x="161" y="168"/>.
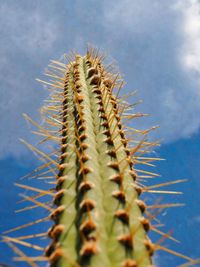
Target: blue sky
<point x="157" y="47"/>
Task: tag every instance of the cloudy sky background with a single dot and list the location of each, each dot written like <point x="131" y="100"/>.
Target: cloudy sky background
<point x="157" y="46"/>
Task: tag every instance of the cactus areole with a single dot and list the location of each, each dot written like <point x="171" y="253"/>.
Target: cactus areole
<point x="97" y="217"/>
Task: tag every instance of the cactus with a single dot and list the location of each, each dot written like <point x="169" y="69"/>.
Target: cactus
<point x="98" y="218"/>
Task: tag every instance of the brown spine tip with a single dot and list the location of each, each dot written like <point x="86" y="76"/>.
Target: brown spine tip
<point x="78" y="84"/>
<point x="88" y="62"/>
<point x="119" y="125"/>
<point x="65" y="106"/>
<point x="117" y="178"/>
<point x="60" y="181"/>
<point x="96" y="91"/>
<point x="124" y="141"/>
<point x="89" y="248"/>
<point x="126" y="240"/>
<point x="98" y="96"/>
<point x="56" y="213"/>
<point x="138" y="189"/>
<point x="50" y="249"/>
<point x="133" y="174"/>
<point x="145" y="223"/>
<point x="76" y="65"/>
<point x="57" y="231"/>
<point x="64" y="130"/>
<point x="103" y="116"/>
<point x="81" y="128"/>
<point x="105" y="124"/>
<point x="63" y="148"/>
<point x="63" y="155"/>
<point x="80" y="121"/>
<point x="65" y="100"/>
<point x="109" y="141"/>
<point x="107" y="133"/>
<point x="87" y="205"/>
<point x="85" y="186"/>
<point x="91" y="71"/>
<point x="84" y="158"/>
<point x="114" y="105"/>
<point x="78" y="90"/>
<point x="123" y="216"/>
<point x="114" y="165"/>
<point x="87" y="227"/>
<point x="108" y="83"/>
<point x="82" y="137"/>
<point x="84" y="146"/>
<point x="100" y="102"/>
<point x="85" y="170"/>
<point x="76" y="71"/>
<point x="122" y="134"/>
<point x="56" y="255"/>
<point x="76" y="77"/>
<point x="141" y="205"/>
<point x="95" y="80"/>
<point x="101" y="109"/>
<point x="112" y="153"/>
<point x="79" y="98"/>
<point x="58" y="196"/>
<point x="63" y="166"/>
<point x="129" y="263"/>
<point x="150" y="247"/>
<point x="49" y="232"/>
<point x="118" y="119"/>
<point x="120" y="195"/>
<point x="64" y="119"/>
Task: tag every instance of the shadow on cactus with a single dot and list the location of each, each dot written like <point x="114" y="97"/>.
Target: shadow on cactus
<point x="97" y="217"/>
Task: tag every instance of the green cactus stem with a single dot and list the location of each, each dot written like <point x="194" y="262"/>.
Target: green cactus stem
<point x="98" y="218"/>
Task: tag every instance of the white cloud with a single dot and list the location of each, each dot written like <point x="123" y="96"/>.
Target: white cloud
<point x="25" y="36"/>
<point x="27" y="29"/>
<point x="191" y="32"/>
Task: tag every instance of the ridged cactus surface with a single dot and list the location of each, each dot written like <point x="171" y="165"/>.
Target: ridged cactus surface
<point x="98" y="219"/>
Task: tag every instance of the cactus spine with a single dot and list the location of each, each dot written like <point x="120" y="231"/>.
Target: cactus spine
<point x="98" y="219"/>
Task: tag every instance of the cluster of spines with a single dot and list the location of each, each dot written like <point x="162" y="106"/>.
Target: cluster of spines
<point x="99" y="218"/>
